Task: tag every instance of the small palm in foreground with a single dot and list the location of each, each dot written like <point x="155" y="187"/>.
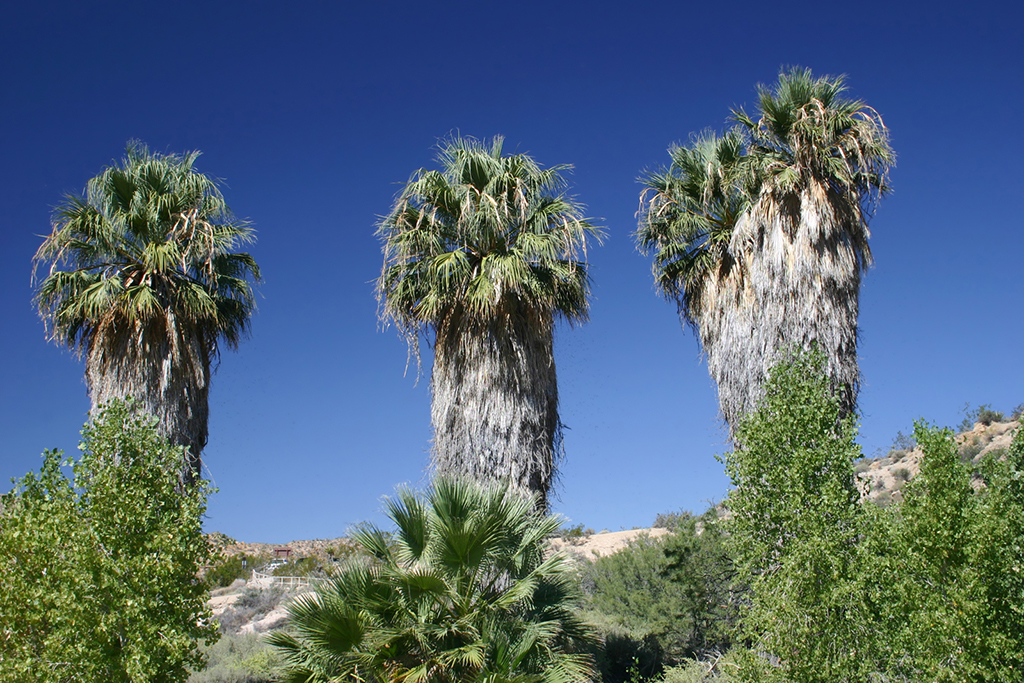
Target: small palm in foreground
<point x="152" y="285"/>
<point x="460" y="592"/>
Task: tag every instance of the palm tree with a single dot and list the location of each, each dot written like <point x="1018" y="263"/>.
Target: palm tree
<point x="762" y="235"/>
<point x="481" y="258"/>
<point x="463" y="590"/>
<point x="144" y="281"/>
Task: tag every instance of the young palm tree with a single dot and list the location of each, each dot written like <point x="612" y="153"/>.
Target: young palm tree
<point x="481" y="258"/>
<point x="462" y="591"/>
<point x="786" y="217"/>
<point x="144" y="281"/>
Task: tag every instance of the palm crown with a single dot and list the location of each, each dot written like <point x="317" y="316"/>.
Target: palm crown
<point x="809" y="134"/>
<point x="152" y="239"/>
<point x="761" y="235"/>
<point x="485" y="235"/>
<point x="687" y="216"/>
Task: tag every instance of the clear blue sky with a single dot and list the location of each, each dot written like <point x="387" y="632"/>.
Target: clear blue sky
<point x="316" y="113"/>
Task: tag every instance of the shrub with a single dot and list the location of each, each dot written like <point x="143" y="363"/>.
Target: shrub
<point x="243" y="658"/>
<point x="230" y="569"/>
<point x="983" y="414"/>
<point x="575" y="535"/>
<point x="903" y="442"/>
<point x="670" y="520"/>
<point x="304" y="566"/>
<point x="715" y="668"/>
<point x="901" y="474"/>
<point x="970" y="449"/>
<point x="666" y="598"/>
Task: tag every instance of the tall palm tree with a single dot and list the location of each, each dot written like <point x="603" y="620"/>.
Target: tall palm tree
<point x="463" y="590"/>
<point x="481" y="257"/>
<point x="144" y="281"/>
<point x="762" y="235"/>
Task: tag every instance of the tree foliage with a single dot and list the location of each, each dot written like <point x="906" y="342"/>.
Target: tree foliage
<point x="100" y="571"/>
<point x="795" y="526"/>
<point x="461" y="591"/>
<point x="145" y="281"/>
<point x="675" y="596"/>
<point x="929" y="589"/>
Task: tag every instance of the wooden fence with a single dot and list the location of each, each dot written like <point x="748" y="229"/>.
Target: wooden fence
<point x="268" y="580"/>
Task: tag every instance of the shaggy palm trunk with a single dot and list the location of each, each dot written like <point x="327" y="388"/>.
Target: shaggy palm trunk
<point x="495" y="402"/>
<point x="167" y="370"/>
<point x="804" y="253"/>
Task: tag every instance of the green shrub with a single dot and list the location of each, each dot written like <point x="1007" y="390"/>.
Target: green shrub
<point x="304" y="566"/>
<point x="715" y="668"/>
<point x="574" y="535"/>
<point x="243" y="658"/>
<point x="983" y="414"/>
<point x="901" y="474"/>
<point x="670" y="520"/>
<point x="229" y="569"/>
<point x="662" y="599"/>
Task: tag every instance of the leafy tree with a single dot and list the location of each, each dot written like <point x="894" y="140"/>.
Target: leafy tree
<point x="959" y="610"/>
<point x="460" y="591"/>
<point x="144" y="281"/>
<point x="100" y="573"/>
<point x="795" y="527"/>
<point x="482" y="257"/>
<point x="701" y="564"/>
<point x="928" y="589"/>
<point x="761" y="235"/>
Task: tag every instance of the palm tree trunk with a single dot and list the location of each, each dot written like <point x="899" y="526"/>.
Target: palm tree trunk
<point x="495" y="403"/>
<point x="804" y="254"/>
<point x="167" y="373"/>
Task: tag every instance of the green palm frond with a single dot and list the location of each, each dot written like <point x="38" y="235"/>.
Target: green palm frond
<point x="154" y="237"/>
<point x="484" y="230"/>
<point x="687" y="216"/>
<point x="502" y="613"/>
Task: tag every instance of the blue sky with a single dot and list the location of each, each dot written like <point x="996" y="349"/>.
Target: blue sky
<point x="314" y="114"/>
